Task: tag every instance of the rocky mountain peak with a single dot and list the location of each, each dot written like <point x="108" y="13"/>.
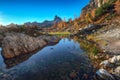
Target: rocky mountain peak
<point x="57" y="19"/>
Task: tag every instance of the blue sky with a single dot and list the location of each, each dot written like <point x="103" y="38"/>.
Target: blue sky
<point x="20" y="11"/>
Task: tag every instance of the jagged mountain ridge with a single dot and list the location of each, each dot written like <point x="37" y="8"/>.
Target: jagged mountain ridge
<point x="45" y="24"/>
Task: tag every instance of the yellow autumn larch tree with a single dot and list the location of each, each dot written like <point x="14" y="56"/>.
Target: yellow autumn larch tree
<point x="89" y="18"/>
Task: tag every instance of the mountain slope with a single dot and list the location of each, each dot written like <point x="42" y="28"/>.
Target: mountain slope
<point x="44" y="24"/>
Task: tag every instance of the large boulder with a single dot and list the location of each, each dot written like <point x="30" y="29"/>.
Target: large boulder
<point x="102" y="74"/>
<point x="1" y="38"/>
<point x="91" y="28"/>
<point x="113" y="65"/>
<point x="49" y="39"/>
<point x="117" y="71"/>
<point x="16" y="44"/>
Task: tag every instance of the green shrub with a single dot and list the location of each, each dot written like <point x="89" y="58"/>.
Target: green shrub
<point x="112" y="1"/>
<point x="104" y="8"/>
<point x="99" y="11"/>
<point x="110" y="16"/>
<point x="95" y="51"/>
<point x="106" y="5"/>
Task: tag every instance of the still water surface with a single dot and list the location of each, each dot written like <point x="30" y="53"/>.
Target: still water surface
<point x="55" y="62"/>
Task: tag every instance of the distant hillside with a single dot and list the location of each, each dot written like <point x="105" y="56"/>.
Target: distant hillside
<point x="44" y="24"/>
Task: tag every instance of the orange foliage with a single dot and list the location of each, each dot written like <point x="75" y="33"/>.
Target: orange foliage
<point x="61" y="24"/>
<point x="75" y="24"/>
<point x="88" y="17"/>
<point x="117" y="7"/>
<point x="93" y="13"/>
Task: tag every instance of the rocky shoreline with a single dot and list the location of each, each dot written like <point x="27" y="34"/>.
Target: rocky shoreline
<point x="16" y="44"/>
<point x="108" y="40"/>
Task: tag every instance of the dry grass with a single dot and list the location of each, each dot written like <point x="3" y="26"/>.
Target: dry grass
<point x="59" y="33"/>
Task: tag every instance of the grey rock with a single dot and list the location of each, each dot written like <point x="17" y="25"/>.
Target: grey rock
<point x="102" y="74"/>
<point x="1" y="37"/>
<point x="89" y="29"/>
<point x="115" y="60"/>
<point x="117" y="71"/>
<point x="113" y="63"/>
<point x="49" y="39"/>
<point x="105" y="64"/>
<point x="16" y="44"/>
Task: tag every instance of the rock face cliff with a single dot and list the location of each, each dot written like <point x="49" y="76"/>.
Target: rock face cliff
<point x="93" y="5"/>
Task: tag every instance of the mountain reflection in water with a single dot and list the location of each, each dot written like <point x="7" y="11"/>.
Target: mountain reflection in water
<point x="51" y="63"/>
